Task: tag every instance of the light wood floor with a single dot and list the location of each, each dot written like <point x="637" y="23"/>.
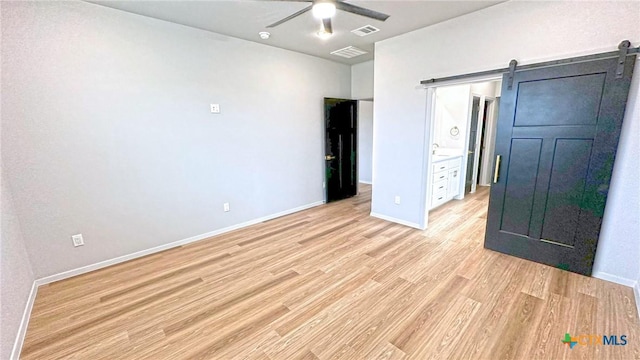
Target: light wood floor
<point x="332" y="282"/>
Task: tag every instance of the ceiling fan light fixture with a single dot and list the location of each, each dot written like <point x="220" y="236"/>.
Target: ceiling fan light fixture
<point x="323" y="10"/>
<point x="324" y="34"/>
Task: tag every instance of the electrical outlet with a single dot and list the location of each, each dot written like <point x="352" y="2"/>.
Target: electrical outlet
<point x="226" y="207"/>
<point x="397" y="200"/>
<point x="77" y="240"/>
<point x="215" y="108"/>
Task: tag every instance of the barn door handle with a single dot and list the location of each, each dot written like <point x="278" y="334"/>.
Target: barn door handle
<point x="329" y="157"/>
<point x="497" y="171"/>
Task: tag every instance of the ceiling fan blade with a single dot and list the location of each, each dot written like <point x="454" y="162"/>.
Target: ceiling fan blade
<point x="361" y="11"/>
<point x="327" y="25"/>
<point x="298" y="13"/>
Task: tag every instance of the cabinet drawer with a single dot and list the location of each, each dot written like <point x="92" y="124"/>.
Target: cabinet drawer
<point x="454" y="163"/>
<point x="440" y="186"/>
<point x="440" y="166"/>
<point x="440" y="176"/>
<point x="438" y="198"/>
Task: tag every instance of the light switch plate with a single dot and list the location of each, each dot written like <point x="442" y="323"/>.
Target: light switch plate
<point x="215" y="108"/>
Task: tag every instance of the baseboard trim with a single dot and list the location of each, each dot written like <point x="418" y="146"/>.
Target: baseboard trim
<point x="365" y="182"/>
<point x="392" y="219"/>
<point x="614" y="278"/>
<point x="636" y="290"/>
<point x="24" y="323"/>
<point x="120" y="259"/>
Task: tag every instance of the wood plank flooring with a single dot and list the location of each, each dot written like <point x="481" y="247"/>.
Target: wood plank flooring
<point x="330" y="283"/>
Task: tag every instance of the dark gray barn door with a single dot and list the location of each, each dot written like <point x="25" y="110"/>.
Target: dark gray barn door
<point x="557" y="138"/>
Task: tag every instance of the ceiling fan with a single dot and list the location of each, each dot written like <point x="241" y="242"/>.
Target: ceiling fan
<point x="325" y="9"/>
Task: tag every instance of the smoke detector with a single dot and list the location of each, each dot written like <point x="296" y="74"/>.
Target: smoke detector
<point x="264" y="35"/>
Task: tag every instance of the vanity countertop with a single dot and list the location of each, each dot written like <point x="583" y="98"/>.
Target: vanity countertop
<point x="438" y="158"/>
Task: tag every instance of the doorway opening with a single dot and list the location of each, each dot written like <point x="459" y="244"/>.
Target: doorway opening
<point x="349" y="151"/>
<point x="341" y="148"/>
<point x="481" y="141"/>
<point x="463" y="123"/>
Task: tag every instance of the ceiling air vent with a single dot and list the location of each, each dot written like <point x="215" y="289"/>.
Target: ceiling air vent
<point x="349" y="52"/>
<point x="365" y="30"/>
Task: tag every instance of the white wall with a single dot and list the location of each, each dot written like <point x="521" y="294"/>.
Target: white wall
<point x="451" y="109"/>
<point x="362" y="80"/>
<point x="365" y="140"/>
<point x="107" y="130"/>
<point x="527" y="31"/>
<point x="487" y="88"/>
<point x="16" y="277"/>
<point x="498" y="89"/>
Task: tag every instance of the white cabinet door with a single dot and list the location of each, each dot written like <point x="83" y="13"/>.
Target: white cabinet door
<point x="453" y="188"/>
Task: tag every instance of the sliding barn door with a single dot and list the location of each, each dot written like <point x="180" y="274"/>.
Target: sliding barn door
<point x="556" y="141"/>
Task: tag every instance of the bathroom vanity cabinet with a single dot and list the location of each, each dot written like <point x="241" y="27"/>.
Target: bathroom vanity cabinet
<point x="445" y="184"/>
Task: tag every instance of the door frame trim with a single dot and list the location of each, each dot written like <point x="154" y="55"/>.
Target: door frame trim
<point x="476" y="154"/>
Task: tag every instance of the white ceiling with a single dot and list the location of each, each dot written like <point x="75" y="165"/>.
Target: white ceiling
<point x="244" y="19"/>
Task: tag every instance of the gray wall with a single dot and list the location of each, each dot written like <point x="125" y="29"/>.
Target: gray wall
<point x="108" y="132"/>
<point x="365" y="140"/>
<point x="362" y="80"/>
<point x="16" y="277"/>
<point x="529" y="32"/>
<point x="618" y="252"/>
<point x="362" y="88"/>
